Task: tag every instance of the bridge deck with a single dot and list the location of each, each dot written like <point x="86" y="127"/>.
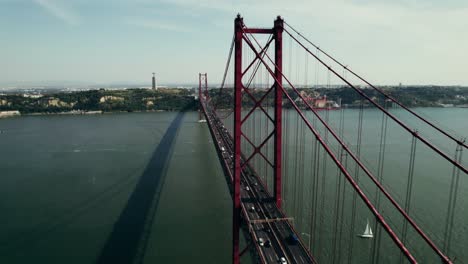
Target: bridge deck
<point x="262" y="217"/>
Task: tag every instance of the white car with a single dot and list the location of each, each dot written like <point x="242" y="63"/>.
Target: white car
<point x="261" y="242"/>
<point x="283" y="260"/>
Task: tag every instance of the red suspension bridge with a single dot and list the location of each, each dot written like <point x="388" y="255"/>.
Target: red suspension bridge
<point x="297" y="174"/>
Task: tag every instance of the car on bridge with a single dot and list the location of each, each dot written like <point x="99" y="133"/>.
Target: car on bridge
<point x="261" y="242"/>
<point x="293" y="239"/>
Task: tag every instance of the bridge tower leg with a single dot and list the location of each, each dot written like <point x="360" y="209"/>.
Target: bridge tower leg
<point x="199" y="97"/>
<point x="278" y="35"/>
<point x="201" y="77"/>
<point x="238" y="24"/>
<point x="206" y="84"/>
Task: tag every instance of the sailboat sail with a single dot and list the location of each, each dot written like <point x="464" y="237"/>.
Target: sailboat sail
<point x="368" y="231"/>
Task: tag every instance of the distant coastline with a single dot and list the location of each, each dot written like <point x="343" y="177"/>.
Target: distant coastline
<point x="104" y="101"/>
<point x="90" y="112"/>
<point x="411" y="96"/>
<point x="74" y="113"/>
<point x="99" y="101"/>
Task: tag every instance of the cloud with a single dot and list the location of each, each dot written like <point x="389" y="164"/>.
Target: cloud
<point x="409" y="41"/>
<point x="58" y="11"/>
<point x="418" y="41"/>
<point x="157" y="24"/>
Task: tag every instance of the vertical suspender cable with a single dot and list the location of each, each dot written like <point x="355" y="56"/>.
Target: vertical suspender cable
<point x="286" y="136"/>
<point x="324" y="176"/>
<point x="337" y="209"/>
<point x="409" y="188"/>
<point x="283" y="162"/>
<point x="231" y="49"/>
<point x="290" y="57"/>
<point x="340" y="232"/>
<point x="356" y="175"/>
<point x="317" y="69"/>
<point x="452" y="199"/>
<point x="306" y="69"/>
<point x="297" y="66"/>
<point x="380" y="166"/>
<point x="320" y="211"/>
<point x="301" y="174"/>
<point x="314" y="196"/>
<point x="296" y="166"/>
<point x="267" y="128"/>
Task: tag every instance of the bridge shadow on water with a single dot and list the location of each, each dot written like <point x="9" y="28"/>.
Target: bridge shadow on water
<point x="130" y="233"/>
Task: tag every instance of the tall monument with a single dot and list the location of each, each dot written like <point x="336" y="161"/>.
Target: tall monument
<point x="154" y="81"/>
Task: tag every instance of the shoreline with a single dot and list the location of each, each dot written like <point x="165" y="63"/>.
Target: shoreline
<point x="75" y="113"/>
<point x="101" y="112"/>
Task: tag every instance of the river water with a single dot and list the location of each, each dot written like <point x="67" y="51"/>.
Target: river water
<point x="69" y="186"/>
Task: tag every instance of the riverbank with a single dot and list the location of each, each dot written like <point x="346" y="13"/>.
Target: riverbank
<point x="99" y="112"/>
<point x="5" y="114"/>
<point x="83" y="102"/>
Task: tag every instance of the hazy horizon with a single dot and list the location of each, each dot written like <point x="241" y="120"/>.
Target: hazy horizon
<point x="84" y="85"/>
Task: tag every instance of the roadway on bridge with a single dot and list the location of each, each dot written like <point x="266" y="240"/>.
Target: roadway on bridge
<point x="264" y="220"/>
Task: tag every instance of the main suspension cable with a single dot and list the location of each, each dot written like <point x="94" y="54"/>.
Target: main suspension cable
<point x="386" y="95"/>
<point x="393" y="117"/>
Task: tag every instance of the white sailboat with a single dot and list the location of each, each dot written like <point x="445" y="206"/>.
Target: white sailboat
<point x="367" y="232"/>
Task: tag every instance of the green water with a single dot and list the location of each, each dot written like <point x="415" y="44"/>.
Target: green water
<point x="321" y="201"/>
<point x="66" y="180"/>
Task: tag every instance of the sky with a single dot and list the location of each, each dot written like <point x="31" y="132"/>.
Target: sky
<point x="124" y="41"/>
